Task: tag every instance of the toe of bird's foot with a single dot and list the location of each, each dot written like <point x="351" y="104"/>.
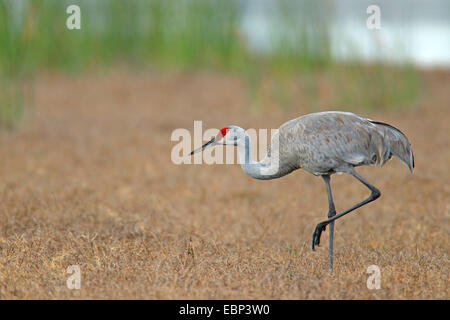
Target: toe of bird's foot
<point x="317" y="233"/>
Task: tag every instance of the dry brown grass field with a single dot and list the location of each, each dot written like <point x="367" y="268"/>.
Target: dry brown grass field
<point x="88" y="180"/>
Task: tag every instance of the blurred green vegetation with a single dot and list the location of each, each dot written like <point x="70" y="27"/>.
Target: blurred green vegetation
<point x="188" y="35"/>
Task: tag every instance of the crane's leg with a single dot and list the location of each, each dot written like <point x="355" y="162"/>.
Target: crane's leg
<point x="322" y="225"/>
<point x="331" y="213"/>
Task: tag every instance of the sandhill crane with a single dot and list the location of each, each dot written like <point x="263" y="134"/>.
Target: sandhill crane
<point x="322" y="143"/>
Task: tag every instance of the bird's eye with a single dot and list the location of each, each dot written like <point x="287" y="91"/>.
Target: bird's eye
<point x="222" y="133"/>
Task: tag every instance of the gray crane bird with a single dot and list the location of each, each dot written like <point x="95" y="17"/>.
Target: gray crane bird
<point x="322" y="143"/>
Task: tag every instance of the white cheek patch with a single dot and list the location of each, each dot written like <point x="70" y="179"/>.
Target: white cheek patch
<point x="222" y="140"/>
<point x="228" y="139"/>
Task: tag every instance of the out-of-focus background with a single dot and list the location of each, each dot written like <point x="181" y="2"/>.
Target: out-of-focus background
<point x="359" y="67"/>
<point x="85" y="123"/>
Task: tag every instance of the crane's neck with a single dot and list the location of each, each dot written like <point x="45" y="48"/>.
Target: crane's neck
<point x="264" y="170"/>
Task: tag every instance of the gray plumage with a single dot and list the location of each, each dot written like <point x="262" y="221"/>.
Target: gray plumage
<point x="322" y="143"/>
<point x="328" y="142"/>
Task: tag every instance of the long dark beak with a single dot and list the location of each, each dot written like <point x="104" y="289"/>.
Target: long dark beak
<point x="210" y="143"/>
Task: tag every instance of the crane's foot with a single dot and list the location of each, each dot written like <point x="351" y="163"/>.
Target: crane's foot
<point x="317" y="233"/>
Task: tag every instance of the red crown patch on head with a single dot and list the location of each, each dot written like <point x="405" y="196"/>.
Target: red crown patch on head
<point x="222" y="132"/>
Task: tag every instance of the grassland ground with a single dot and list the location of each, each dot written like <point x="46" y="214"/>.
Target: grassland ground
<point x="87" y="180"/>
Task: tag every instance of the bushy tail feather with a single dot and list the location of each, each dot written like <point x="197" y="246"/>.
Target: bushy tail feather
<point x="399" y="144"/>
